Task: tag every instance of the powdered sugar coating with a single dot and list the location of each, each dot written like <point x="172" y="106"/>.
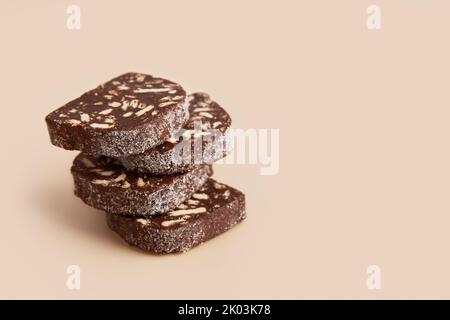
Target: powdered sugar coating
<point x="181" y="153"/>
<point x="126" y="115"/>
<point x="102" y="183"/>
<point x="199" y="221"/>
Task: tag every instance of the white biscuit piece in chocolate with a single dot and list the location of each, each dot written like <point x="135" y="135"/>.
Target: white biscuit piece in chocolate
<point x="204" y="139"/>
<point x="212" y="210"/>
<point x="126" y="115"/>
<point x="102" y="183"/>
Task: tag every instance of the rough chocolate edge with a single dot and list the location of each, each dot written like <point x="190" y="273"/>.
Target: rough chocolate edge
<point x="159" y="163"/>
<point x="119" y="143"/>
<point x="161" y="160"/>
<point x="182" y="238"/>
<point x="139" y="202"/>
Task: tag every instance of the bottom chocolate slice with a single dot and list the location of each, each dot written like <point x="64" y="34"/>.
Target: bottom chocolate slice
<point x="214" y="209"/>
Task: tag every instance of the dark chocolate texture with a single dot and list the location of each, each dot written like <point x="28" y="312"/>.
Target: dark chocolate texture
<point x="126" y="115"/>
<point x="204" y="139"/>
<point x="102" y="183"/>
<point x="212" y="210"/>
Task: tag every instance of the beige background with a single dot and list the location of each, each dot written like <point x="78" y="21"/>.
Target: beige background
<point x="365" y="163"/>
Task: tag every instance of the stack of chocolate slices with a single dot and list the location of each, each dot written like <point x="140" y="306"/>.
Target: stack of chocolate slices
<point x="146" y="155"/>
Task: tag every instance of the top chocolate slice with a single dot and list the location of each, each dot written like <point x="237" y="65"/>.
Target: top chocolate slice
<point x="126" y="115"/>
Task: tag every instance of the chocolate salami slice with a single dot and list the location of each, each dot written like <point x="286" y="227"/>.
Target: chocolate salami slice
<point x="203" y="140"/>
<point x="126" y="115"/>
<point x="102" y="183"/>
<point x="214" y="209"/>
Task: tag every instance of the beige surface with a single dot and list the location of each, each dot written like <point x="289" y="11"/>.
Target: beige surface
<point x="365" y="160"/>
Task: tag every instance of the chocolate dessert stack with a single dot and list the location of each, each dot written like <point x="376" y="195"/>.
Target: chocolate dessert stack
<point x="146" y="159"/>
